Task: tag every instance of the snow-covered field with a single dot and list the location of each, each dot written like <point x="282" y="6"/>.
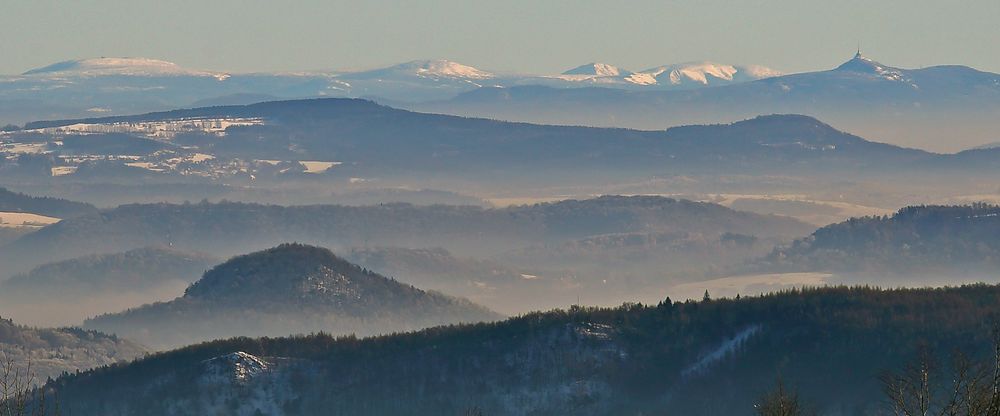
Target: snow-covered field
<point x="22" y="148"/>
<point x="63" y="170"/>
<point x="23" y="219"/>
<point x="145" y="165"/>
<point x="162" y="130"/>
<point x="314" y="166"/>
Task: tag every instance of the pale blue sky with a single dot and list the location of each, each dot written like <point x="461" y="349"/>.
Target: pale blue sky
<point x="542" y="36"/>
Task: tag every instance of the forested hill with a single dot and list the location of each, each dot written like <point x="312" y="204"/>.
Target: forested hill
<point x="52" y="352"/>
<point x="917" y="239"/>
<point x="713" y="357"/>
<point x="289" y="289"/>
<point x="50" y="207"/>
<point x="227" y="229"/>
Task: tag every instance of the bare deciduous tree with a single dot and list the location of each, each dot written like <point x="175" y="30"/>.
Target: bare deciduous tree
<point x="18" y="395"/>
<point x="974" y="388"/>
<point x="780" y="402"/>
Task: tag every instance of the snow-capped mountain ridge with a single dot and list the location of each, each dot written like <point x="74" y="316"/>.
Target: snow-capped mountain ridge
<point x="708" y="73"/>
<point x="684" y="75"/>
<point x="434" y="68"/>
<point x="127" y="66"/>
<point x="426" y="71"/>
<point x="597" y="69"/>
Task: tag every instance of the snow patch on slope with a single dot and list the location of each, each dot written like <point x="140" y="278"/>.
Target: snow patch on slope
<point x="238" y="368"/>
<point x="726" y="348"/>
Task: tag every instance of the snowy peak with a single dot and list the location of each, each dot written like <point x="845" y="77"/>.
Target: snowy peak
<point x="597" y="72"/>
<point x="596" y="69"/>
<point x="120" y="66"/>
<point x="441" y="69"/>
<point x="864" y="65"/>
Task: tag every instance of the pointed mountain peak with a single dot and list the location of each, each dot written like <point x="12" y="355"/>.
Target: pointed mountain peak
<point x="859" y="60"/>
<point x="865" y="65"/>
<point x="597" y="69"/>
<point x="288" y="270"/>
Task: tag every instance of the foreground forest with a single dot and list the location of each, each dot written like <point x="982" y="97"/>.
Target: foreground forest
<point x="710" y="357"/>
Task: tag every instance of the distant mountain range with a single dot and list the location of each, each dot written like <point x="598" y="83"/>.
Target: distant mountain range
<point x="289" y="289"/>
<point x="905" y="107"/>
<point x="678" y="76"/>
<point x="128" y="85"/>
<point x="899" y="106"/>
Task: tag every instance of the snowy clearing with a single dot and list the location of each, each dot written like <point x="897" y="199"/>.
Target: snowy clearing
<point x="24" y="219"/>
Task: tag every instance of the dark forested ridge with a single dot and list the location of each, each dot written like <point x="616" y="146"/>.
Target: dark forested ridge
<point x="51" y="207"/>
<point x="373" y="139"/>
<point x="131" y="270"/>
<point x="695" y="358"/>
<point x="52" y="352"/>
<point x="66" y="292"/>
<point x="226" y="229"/>
<point x="285" y="290"/>
<point x="917" y="239"/>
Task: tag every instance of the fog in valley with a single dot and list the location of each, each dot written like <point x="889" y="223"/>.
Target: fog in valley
<point x="434" y="238"/>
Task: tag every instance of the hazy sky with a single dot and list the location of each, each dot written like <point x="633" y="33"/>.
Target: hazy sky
<point x="504" y="35"/>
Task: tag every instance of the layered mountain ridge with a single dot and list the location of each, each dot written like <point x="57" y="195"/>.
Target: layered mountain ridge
<point x="289" y="289"/>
